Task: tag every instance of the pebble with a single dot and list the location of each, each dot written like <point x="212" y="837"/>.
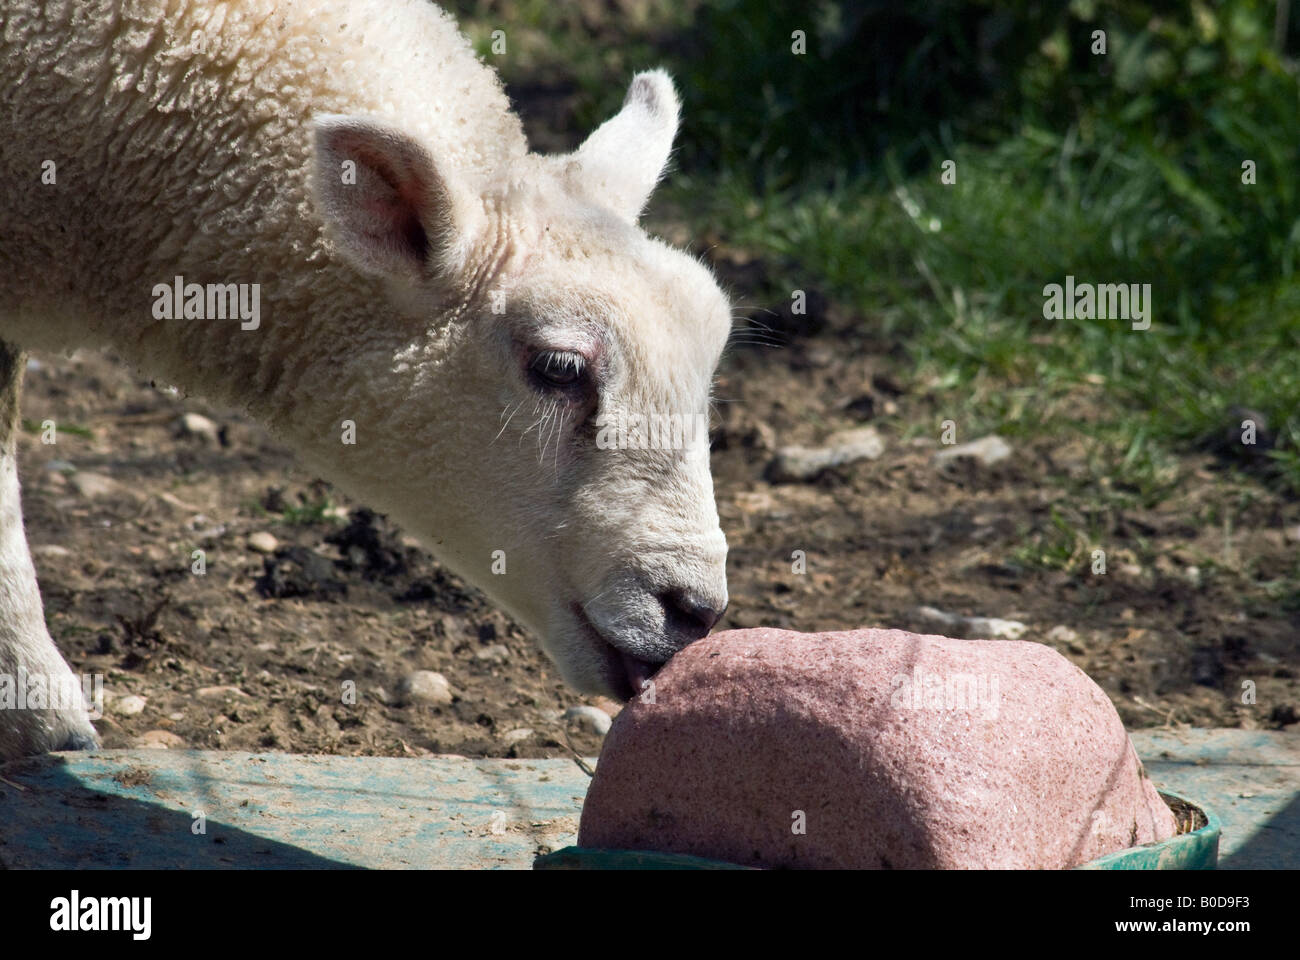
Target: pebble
<point x="198" y="427"/>
<point x="495" y="653"/>
<point x="129" y="706"/>
<point x="1065" y="636"/>
<point x="986" y="451"/>
<point x="94" y="486"/>
<point x="806" y="463"/>
<point x="425" y="686"/>
<point x="50" y="550"/>
<point x="219" y="693"/>
<point x="262" y="542"/>
<point x="1062" y="634"/>
<point x="588" y="719"/>
<point x="974" y="628"/>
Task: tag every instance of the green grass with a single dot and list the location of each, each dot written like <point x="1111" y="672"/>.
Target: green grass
<point x="1117" y="169"/>
<point x="956" y="274"/>
<point x="31" y="426"/>
<point x="312" y="512"/>
<point x="307" y="513"/>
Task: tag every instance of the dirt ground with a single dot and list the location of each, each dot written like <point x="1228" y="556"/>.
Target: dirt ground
<point x="251" y="654"/>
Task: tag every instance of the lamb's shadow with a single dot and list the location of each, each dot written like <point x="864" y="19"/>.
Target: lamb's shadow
<point x="1275" y="845"/>
<point x="58" y="822"/>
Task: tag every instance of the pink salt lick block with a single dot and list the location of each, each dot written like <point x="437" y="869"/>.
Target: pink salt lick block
<point x="872" y="749"/>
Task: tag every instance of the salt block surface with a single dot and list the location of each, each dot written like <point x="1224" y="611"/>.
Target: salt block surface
<point x="872" y="749"/>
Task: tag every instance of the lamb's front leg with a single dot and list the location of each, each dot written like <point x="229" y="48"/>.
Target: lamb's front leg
<point x="41" y="703"/>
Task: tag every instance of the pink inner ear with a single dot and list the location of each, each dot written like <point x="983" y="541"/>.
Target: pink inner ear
<point x="394" y="204"/>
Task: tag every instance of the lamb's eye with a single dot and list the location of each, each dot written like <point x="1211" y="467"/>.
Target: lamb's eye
<point x="558" y="368"/>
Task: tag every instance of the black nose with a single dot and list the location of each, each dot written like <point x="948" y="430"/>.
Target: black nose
<point x="685" y="620"/>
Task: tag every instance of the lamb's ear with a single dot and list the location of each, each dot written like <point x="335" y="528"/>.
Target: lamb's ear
<point x="394" y="212"/>
<point x="620" y="163"/>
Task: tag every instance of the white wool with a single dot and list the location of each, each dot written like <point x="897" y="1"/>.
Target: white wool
<point x="205" y="140"/>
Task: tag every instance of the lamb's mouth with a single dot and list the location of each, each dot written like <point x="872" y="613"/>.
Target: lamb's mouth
<point x="625" y="673"/>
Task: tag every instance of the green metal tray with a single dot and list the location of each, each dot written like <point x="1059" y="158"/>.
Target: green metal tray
<point x="1196" y="848"/>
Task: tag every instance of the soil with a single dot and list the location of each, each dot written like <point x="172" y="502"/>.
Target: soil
<point x="251" y="654"/>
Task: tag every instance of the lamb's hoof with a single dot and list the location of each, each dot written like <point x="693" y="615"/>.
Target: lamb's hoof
<point x="80" y="741"/>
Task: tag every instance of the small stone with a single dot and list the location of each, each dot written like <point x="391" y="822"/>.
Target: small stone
<point x="158" y="740"/>
<point x="60" y="466"/>
<point x="129" y="706"/>
<point x="516" y="735"/>
<point x="1293" y="533"/>
<point x="1066" y="637"/>
<point x="219" y="693"/>
<point x="495" y="653"/>
<point x="198" y="427"/>
<point x="426" y="687"/>
<point x="807" y="463"/>
<point x="94" y="486"/>
<point x="588" y="719"/>
<point x="51" y="550"/>
<point x="1062" y="634"/>
<point x="262" y="542"/>
<point x="974" y="628"/>
<point x="986" y="451"/>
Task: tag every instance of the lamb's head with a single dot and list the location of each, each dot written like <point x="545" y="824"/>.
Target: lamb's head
<point x="554" y="381"/>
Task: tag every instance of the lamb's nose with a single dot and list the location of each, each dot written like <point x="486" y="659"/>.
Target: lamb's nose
<point x="687" y="620"/>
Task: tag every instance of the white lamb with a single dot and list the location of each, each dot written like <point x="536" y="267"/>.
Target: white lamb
<point x="471" y="308"/>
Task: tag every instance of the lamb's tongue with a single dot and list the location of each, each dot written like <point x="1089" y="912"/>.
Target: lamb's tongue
<point x="638" y="671"/>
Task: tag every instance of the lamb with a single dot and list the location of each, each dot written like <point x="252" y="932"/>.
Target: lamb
<point x="468" y="313"/>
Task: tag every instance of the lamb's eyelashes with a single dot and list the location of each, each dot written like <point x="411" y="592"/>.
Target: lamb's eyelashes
<point x="559" y="368"/>
<point x="564" y="376"/>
